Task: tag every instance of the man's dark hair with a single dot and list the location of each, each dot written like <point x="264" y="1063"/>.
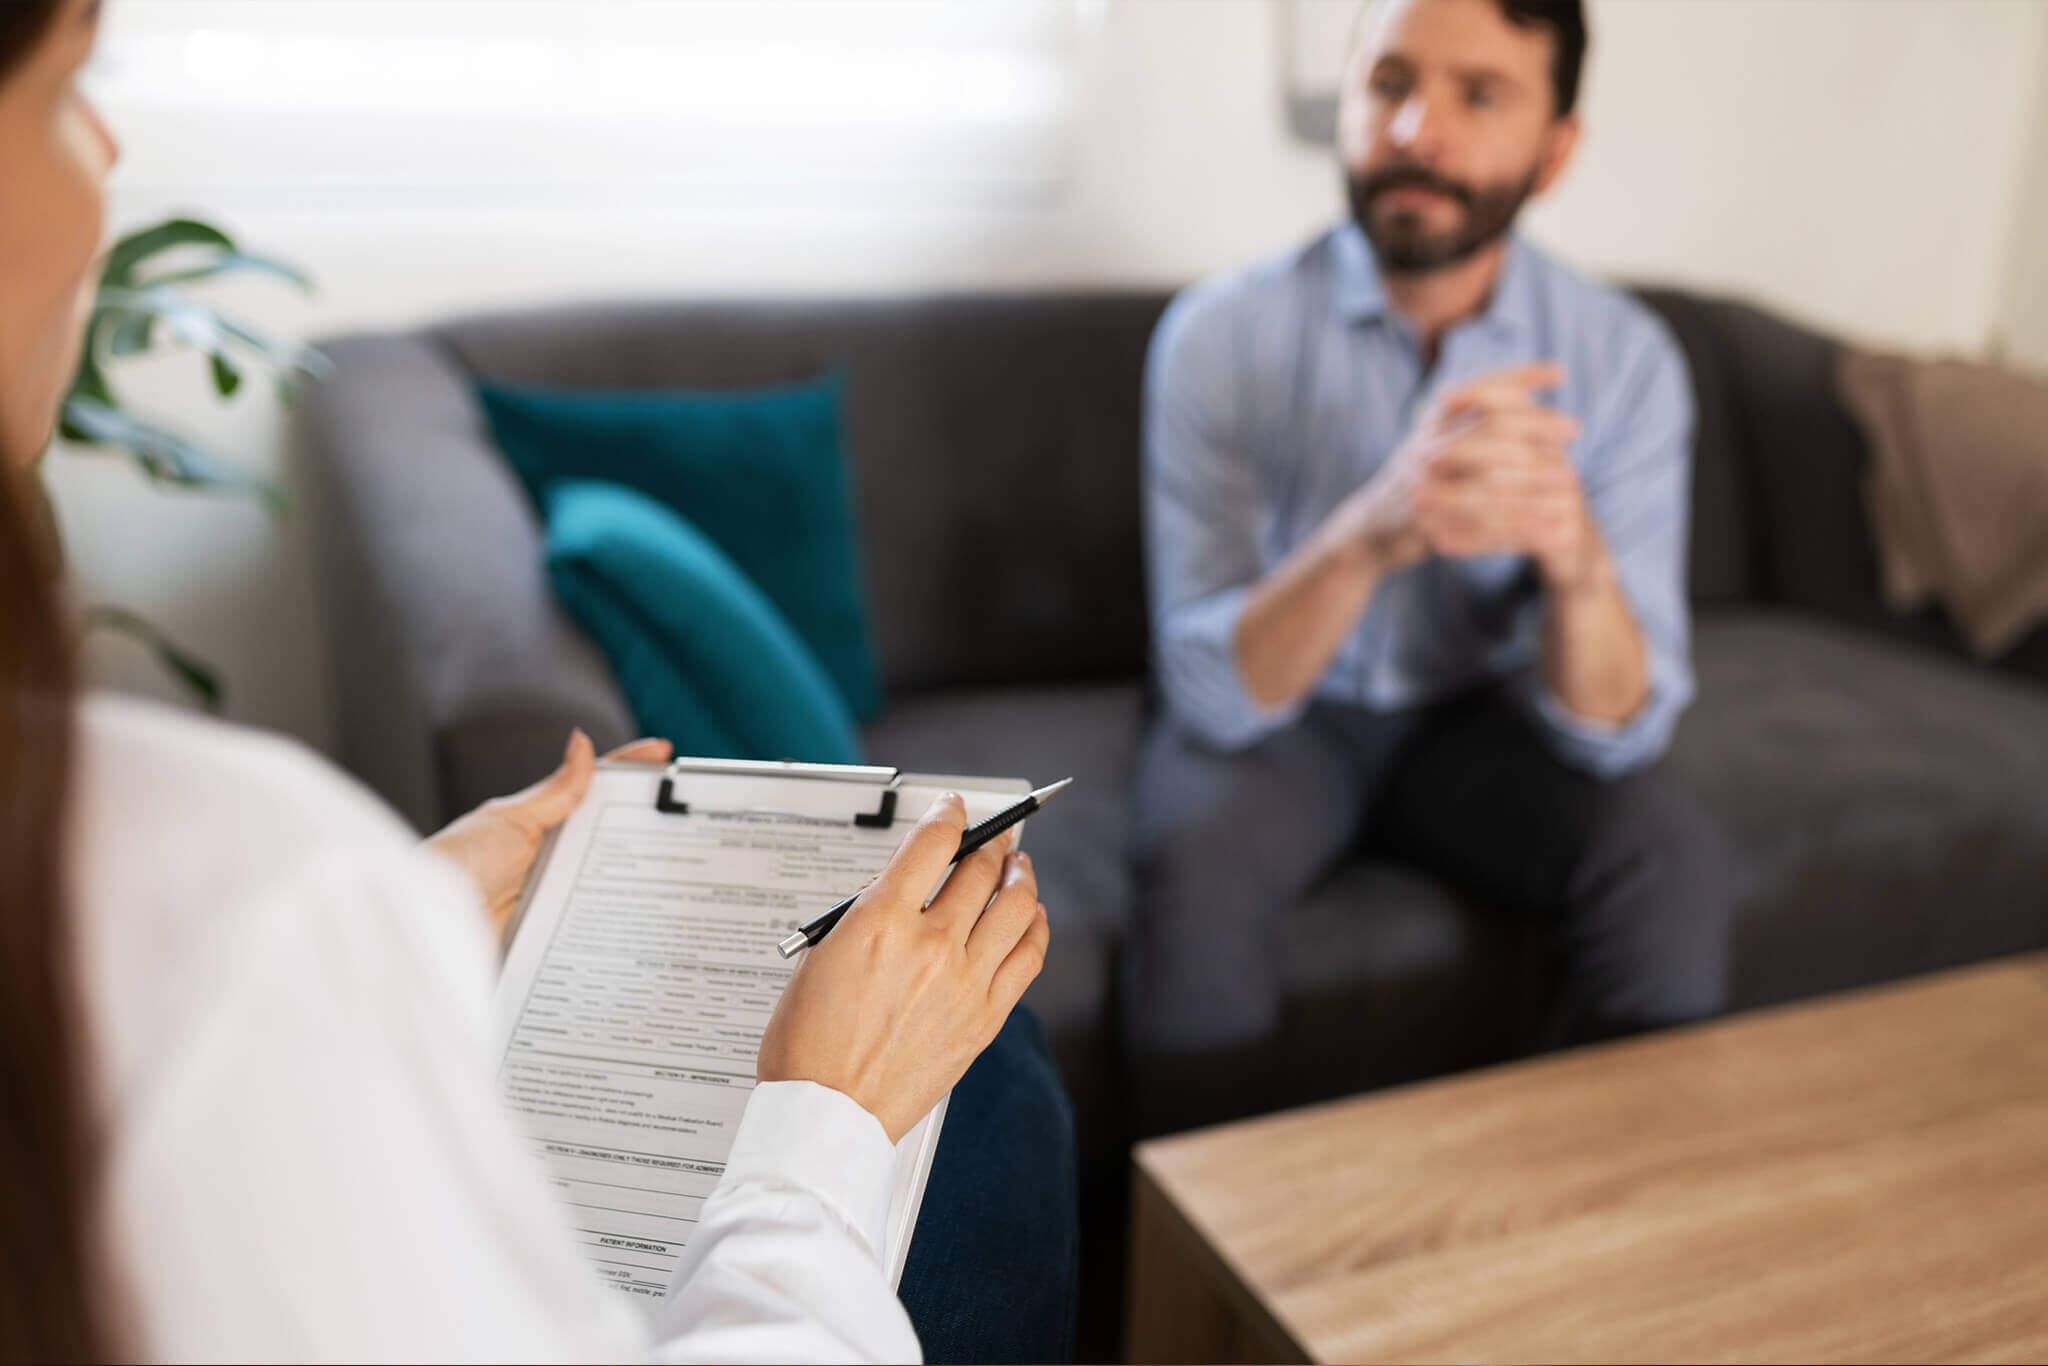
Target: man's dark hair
<point x="1566" y="20"/>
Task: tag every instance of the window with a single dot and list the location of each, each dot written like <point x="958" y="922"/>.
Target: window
<point x="454" y="104"/>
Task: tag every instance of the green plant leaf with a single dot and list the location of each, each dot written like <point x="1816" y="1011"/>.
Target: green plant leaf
<point x="88" y="388"/>
<point x="229" y="262"/>
<point x="163" y="455"/>
<point x="197" y="325"/>
<point x="130" y="315"/>
<point x="184" y="318"/>
<point x="137" y="247"/>
<point x="91" y="380"/>
<point x="193" y="672"/>
<point x="286" y="356"/>
<point x="133" y="333"/>
<point x="226" y="378"/>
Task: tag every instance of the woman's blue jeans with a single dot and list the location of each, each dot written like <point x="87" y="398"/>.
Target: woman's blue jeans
<point x="992" y="1266"/>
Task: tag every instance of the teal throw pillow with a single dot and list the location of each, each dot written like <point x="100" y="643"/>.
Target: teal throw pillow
<point x="761" y="472"/>
<point x="703" y="657"/>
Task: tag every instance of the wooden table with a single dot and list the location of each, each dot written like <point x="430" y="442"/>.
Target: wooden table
<point x="1863" y="1178"/>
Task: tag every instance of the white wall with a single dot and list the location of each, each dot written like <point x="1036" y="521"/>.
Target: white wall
<point x="1857" y="162"/>
<point x="1870" y="165"/>
<point x="2020" y="333"/>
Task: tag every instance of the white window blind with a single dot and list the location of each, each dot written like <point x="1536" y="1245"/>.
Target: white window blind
<point x="474" y="103"/>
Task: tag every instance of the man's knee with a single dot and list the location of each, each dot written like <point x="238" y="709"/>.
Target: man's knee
<point x="1260" y="816"/>
<point x="1224" y="843"/>
<point x="1652" y="905"/>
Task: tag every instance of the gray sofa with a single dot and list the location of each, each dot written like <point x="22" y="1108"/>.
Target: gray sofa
<point x="1886" y="798"/>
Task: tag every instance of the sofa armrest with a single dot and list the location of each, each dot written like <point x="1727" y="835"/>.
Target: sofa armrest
<point x="456" y="676"/>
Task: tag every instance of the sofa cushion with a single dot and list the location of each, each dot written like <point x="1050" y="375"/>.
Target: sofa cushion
<point x="456" y="676"/>
<point x="703" y="657"/>
<point x="1415" y="926"/>
<point x="1382" y="966"/>
<point x="1886" y="811"/>
<point x="1886" y="808"/>
<point x="1081" y="843"/>
<point x="760" y="472"/>
<point x="973" y="424"/>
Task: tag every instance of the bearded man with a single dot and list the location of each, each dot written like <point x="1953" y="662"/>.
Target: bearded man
<point x="1416" y="502"/>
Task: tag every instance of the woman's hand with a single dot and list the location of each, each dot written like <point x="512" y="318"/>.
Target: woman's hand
<point x="497" y="843"/>
<point x="892" y="1006"/>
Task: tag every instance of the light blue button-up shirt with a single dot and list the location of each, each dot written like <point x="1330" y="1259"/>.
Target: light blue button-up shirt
<point x="1272" y="393"/>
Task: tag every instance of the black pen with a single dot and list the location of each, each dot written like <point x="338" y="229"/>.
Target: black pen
<point x="970" y="840"/>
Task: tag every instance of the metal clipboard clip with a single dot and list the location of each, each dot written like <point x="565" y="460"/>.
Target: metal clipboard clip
<point x="883" y="782"/>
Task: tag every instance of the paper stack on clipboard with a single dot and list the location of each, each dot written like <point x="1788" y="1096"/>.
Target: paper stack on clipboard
<point x="642" y="971"/>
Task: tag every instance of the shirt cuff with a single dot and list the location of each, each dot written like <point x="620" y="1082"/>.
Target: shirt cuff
<point x="804" y="1136"/>
<point x="1198" y="670"/>
<point x="1605" y="749"/>
<point x="1586" y="728"/>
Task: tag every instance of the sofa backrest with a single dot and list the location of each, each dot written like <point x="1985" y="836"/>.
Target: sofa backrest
<point x="993" y="441"/>
<point x="1778" y="513"/>
<point x="1777" y="462"/>
<point x="1723" y="565"/>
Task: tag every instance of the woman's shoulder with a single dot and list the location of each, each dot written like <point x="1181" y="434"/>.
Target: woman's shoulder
<point x="167" y="775"/>
<point x="202" y="856"/>
<point x="180" y="820"/>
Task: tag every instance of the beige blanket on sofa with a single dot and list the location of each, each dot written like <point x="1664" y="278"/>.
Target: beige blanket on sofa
<point x="1957" y="489"/>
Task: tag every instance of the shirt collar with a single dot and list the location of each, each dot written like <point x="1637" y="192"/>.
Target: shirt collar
<point x="1361" y="297"/>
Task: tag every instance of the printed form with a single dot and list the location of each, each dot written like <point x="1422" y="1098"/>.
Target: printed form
<point x="643" y="973"/>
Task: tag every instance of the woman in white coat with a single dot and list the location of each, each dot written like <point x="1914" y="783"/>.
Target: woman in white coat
<point x="244" y="1107"/>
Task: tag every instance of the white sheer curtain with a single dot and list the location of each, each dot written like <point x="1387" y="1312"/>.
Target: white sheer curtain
<point x="523" y="103"/>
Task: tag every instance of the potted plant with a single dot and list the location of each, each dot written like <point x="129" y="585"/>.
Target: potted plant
<point x="145" y="301"/>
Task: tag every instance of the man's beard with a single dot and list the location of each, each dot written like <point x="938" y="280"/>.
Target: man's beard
<point x="1400" y="241"/>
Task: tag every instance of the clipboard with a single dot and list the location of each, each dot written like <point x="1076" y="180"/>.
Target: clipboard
<point x="866" y="786"/>
<point x="610" y="1022"/>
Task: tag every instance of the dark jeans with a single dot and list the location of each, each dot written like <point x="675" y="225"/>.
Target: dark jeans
<point x="992" y="1266"/>
<point x="1628" y="874"/>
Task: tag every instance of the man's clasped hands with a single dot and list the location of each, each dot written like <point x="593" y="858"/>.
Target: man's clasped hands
<point x="1486" y="471"/>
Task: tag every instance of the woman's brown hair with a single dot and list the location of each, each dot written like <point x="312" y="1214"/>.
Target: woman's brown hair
<point x="48" y="1157"/>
